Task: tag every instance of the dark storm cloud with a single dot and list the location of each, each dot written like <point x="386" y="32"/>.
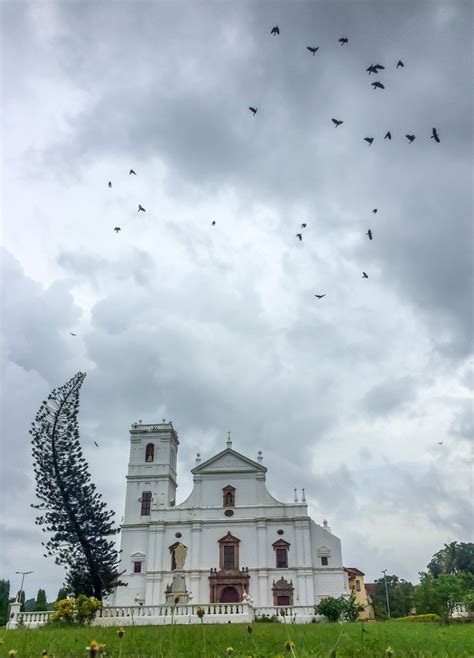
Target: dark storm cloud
<point x="185" y="103"/>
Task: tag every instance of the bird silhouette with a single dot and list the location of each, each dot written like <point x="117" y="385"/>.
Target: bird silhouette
<point x="140" y="207"/>
<point x="364" y="275"/>
<point x="372" y="69"/>
<point x="303" y="225"/>
<point x="343" y="40"/>
<point x="336" y="122"/>
<point x="275" y="30"/>
<point x="378" y="66"/>
<point x="369" y="233"/>
<point x="298" y="235"/>
<point x="253" y="109"/>
<point x="369" y="140"/>
<point x="312" y="50"/>
<point x="71" y="334"/>
<point x="410" y="138"/>
<point x="388" y="135"/>
<point x="110" y="183"/>
<point x="440" y="443"/>
<point x="435" y="135"/>
<point x="320" y="296"/>
<point x="378" y="85"/>
<point x="132" y="172"/>
<point x="375" y="211"/>
<point x="96" y="444"/>
<point x="117" y="229"/>
<point x="400" y="63"/>
<point x="213" y="223"/>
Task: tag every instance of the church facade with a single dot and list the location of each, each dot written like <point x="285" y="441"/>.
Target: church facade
<point x="234" y="540"/>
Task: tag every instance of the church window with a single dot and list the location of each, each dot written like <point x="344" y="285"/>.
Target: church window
<point x="281" y="558"/>
<point x="282" y="592"/>
<point x="324" y="560"/>
<point x="283" y="599"/>
<point x="281" y="548"/>
<point x="146" y="503"/>
<point x="137" y="567"/>
<point x="229" y="552"/>
<point x="358" y="585"/>
<point x="229" y="496"/>
<point x="150" y="452"/>
<point x="229" y="557"/>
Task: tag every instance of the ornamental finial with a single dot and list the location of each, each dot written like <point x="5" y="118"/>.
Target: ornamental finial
<point x="229" y="440"/>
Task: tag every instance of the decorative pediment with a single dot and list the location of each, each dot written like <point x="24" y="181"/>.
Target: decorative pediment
<point x="323" y="551"/>
<point x="229" y="539"/>
<point x="280" y="543"/>
<point x="282" y="585"/>
<point x="229" y="461"/>
<point x="137" y="556"/>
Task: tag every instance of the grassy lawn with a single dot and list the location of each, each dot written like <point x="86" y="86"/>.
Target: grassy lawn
<point x="321" y="640"/>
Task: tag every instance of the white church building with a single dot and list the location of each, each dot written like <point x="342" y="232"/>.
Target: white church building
<point x="241" y="543"/>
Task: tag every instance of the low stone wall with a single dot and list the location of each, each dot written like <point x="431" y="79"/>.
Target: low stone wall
<point x="157" y="615"/>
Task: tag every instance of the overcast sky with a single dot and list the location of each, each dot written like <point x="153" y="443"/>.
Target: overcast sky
<point x="363" y="397"/>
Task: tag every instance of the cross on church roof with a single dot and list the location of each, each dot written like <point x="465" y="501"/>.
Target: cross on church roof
<point x="229" y="440"/>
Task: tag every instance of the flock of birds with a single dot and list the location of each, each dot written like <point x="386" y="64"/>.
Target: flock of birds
<point x="372" y="68"/>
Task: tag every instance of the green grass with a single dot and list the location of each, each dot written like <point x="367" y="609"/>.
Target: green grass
<point x="420" y="640"/>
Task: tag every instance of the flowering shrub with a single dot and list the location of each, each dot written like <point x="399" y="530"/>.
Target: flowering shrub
<point x="76" y="611"/>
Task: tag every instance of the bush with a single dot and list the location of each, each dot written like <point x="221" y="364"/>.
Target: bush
<point x="429" y="617"/>
<point x="331" y="607"/>
<point x="76" y="611"/>
<point x="266" y="619"/>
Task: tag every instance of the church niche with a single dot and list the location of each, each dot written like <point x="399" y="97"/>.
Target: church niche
<point x="230" y="582"/>
<point x="229" y="496"/>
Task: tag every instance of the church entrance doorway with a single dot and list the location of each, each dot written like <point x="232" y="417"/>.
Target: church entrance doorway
<point x="229" y="595"/>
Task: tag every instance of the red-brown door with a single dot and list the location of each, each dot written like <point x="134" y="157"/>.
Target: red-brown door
<point x="229" y="595"/>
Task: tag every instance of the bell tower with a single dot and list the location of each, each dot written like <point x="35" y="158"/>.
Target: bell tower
<point x="151" y="477"/>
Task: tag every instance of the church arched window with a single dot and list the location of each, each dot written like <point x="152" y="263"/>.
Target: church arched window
<point x="150" y="452"/>
<point x="229" y="496"/>
<point x="281" y="548"/>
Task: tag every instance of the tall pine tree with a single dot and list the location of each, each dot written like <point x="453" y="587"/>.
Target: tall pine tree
<point x="41" y="603"/>
<point x="4" y="598"/>
<point x="71" y="508"/>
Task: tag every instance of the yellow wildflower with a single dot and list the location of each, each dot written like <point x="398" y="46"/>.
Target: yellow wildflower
<point x="289" y="645"/>
<point x="229" y="651"/>
<point x="389" y="652"/>
<point x="102" y="649"/>
<point x="12" y="653"/>
<point x="93" y="648"/>
<point x="121" y="632"/>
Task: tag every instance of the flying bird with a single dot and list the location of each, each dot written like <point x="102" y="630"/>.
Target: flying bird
<point x="110" y="183"/>
<point x="377" y="84"/>
<point x="372" y="69"/>
<point x="71" y="334"/>
<point x="312" y="50"/>
<point x="440" y="443"/>
<point x="132" y="172"/>
<point x="410" y="138"/>
<point x="374" y="211"/>
<point x="303" y="225"/>
<point x="400" y="63"/>
<point x="213" y="223"/>
<point x="96" y="444"/>
<point x="253" y="109"/>
<point x="336" y="122"/>
<point x="343" y="40"/>
<point x="320" y="296"/>
<point x="364" y="275"/>
<point x="275" y="30"/>
<point x="369" y="233"/>
<point x="117" y="229"/>
<point x="435" y="135"/>
<point x="388" y="135"/>
<point x="369" y="140"/>
<point x="378" y="66"/>
<point x="298" y="235"/>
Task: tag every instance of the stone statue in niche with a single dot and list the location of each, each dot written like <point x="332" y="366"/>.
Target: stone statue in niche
<point x="180" y="553"/>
